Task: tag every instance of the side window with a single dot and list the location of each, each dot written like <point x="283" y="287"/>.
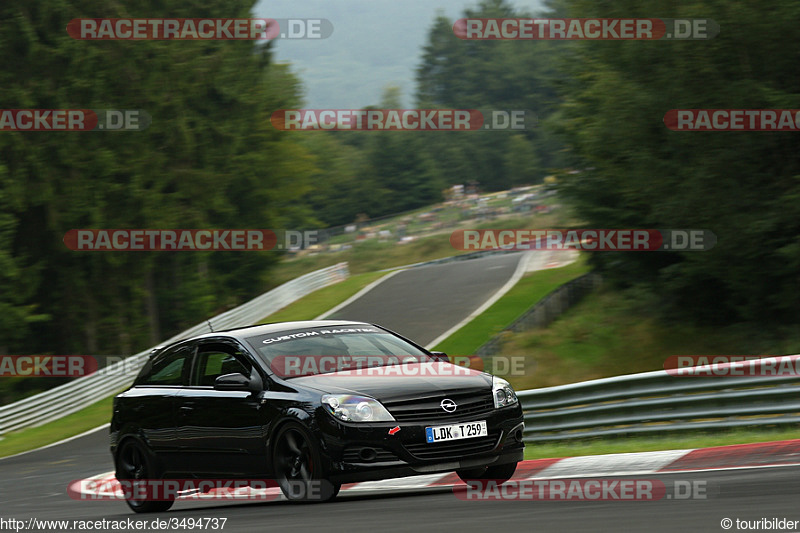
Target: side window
<point x="214" y="360"/>
<point x="169" y="368"/>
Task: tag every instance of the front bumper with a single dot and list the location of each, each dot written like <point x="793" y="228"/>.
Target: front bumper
<point x="364" y="452"/>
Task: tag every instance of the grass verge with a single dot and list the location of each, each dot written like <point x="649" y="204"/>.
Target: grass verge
<point x="88" y="418"/>
<point x="652" y="444"/>
<point x="316" y="303"/>
<point x="528" y="290"/>
<point x="611" y="333"/>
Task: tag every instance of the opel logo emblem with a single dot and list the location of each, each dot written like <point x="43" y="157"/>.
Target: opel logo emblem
<point x="448" y="405"/>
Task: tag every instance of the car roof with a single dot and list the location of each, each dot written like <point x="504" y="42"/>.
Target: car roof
<point x="263" y="329"/>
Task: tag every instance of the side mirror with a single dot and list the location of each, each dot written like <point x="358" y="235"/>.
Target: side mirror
<point x="234" y="381"/>
<point x="440" y="356"/>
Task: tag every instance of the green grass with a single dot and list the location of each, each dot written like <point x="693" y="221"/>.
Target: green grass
<point x="652" y="444"/>
<point x="318" y="302"/>
<point x="610" y="333"/>
<point x="614" y="332"/>
<point x="27" y="439"/>
<point x="529" y="290"/>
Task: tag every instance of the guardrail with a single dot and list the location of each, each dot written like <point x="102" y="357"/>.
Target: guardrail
<point x="82" y="392"/>
<point x="658" y="402"/>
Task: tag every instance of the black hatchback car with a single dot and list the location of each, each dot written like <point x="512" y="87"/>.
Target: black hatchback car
<point x="298" y="402"/>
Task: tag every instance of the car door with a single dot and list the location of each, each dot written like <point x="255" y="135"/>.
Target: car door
<point x="220" y="432"/>
<point x="148" y="407"/>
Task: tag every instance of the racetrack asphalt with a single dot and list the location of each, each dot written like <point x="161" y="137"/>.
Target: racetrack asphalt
<point x="34" y="485"/>
<point x="423" y="302"/>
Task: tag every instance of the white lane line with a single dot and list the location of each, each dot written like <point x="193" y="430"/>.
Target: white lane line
<point x="715" y="469"/>
<point x="545" y="259"/>
<point x="98" y="428"/>
<point x="518" y="273"/>
<point x="616" y="463"/>
<point x="411" y="482"/>
<point x="358" y="295"/>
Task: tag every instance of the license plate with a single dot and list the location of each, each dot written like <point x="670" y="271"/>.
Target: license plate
<point x="464" y="430"/>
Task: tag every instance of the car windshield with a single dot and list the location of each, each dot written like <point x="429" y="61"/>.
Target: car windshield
<point x="324" y="350"/>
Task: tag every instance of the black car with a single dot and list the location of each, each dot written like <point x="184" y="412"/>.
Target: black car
<point x="326" y="401"/>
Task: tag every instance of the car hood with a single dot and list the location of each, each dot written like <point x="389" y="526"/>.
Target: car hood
<point x="399" y="382"/>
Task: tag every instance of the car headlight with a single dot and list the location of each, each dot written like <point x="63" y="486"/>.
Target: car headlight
<point x="502" y="393"/>
<point x="356" y="408"/>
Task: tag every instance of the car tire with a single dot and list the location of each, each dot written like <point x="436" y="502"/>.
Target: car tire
<point x="298" y="466"/>
<point x="134" y="462"/>
<point x="498" y="473"/>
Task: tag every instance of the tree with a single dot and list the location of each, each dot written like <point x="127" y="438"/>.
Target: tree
<point x="637" y="173"/>
<point x="489" y="75"/>
<point x="210" y="158"/>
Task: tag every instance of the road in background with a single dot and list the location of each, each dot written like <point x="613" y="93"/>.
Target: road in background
<point x="423" y="302"/>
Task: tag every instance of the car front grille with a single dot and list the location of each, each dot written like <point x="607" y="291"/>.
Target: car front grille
<point x="427" y="410"/>
<point x="453" y="449"/>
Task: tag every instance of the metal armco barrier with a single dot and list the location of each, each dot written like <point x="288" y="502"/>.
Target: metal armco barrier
<point x="82" y="392"/>
<point x="657" y="402"/>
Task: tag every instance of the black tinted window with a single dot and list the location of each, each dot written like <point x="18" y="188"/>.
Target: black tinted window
<point x="169" y="368"/>
<point x="215" y="361"/>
